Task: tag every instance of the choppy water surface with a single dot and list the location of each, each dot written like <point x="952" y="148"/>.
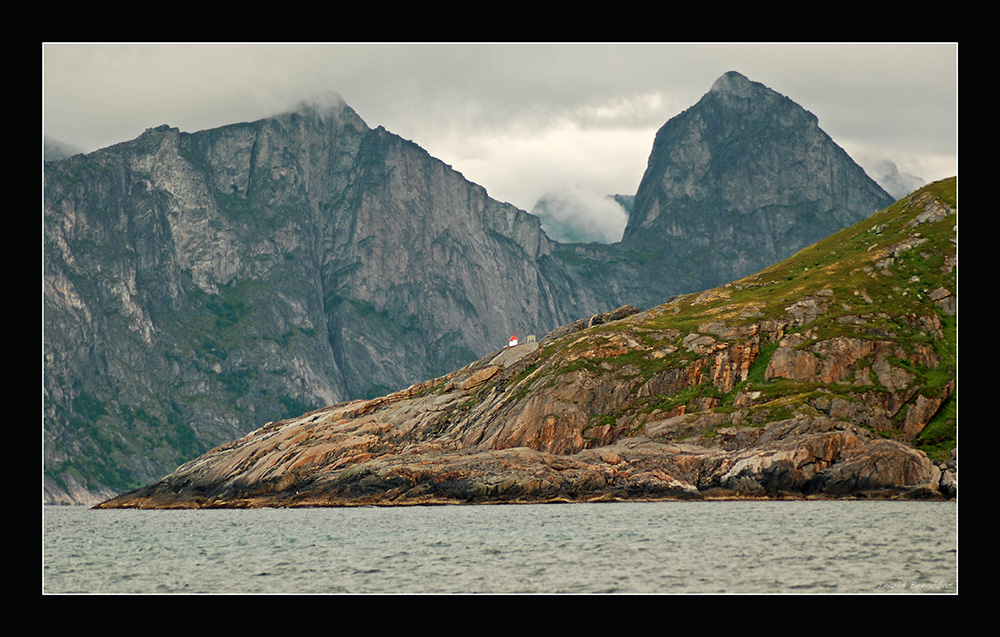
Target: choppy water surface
<point x="668" y="547"/>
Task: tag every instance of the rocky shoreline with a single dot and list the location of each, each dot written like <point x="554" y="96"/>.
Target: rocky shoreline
<point x="820" y="460"/>
<point x="395" y="450"/>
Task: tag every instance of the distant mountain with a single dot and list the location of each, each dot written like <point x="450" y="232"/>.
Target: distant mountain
<point x="198" y="285"/>
<point x="743" y="179"/>
<point x="830" y="374"/>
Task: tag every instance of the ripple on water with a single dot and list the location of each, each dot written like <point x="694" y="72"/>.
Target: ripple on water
<point x="673" y="547"/>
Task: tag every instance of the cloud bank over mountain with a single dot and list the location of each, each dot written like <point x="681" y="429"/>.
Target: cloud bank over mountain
<point x="520" y="119"/>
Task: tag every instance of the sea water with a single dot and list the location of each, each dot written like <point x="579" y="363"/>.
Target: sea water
<point x="873" y="547"/>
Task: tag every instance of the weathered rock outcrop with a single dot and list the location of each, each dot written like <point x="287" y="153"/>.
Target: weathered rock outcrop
<point x="818" y="377"/>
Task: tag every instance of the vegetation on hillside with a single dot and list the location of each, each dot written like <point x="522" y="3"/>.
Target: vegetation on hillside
<point x="878" y="280"/>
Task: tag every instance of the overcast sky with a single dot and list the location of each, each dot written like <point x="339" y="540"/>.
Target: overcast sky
<point x="518" y="119"/>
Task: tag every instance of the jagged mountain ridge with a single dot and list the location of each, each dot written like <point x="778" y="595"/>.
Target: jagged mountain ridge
<point x="812" y="378"/>
<point x="199" y="284"/>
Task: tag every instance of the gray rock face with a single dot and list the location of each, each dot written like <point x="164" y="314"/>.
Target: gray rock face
<point x="198" y="285"/>
<point x="741" y="180"/>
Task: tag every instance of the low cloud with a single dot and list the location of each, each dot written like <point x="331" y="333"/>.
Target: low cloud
<point x="521" y="166"/>
<point x="579" y="216"/>
<point x="896" y="183"/>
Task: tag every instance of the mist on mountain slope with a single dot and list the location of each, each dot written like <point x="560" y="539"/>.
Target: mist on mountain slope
<point x="579" y="216"/>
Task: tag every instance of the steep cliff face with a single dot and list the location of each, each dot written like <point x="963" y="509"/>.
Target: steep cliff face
<point x="830" y="374"/>
<point x="431" y="272"/>
<point x="743" y="179"/>
<point x="197" y="285"/>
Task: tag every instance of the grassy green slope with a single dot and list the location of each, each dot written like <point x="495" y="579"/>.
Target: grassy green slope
<point x="889" y="280"/>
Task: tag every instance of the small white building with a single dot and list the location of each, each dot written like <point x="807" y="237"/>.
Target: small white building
<point x="513" y="340"/>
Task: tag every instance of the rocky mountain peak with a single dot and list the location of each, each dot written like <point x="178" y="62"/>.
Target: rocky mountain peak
<point x="743" y="179"/>
<point x="737" y="84"/>
<point x="756" y="102"/>
<point x="330" y="108"/>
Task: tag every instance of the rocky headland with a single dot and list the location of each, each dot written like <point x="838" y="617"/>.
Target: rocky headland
<point x="831" y="374"/>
